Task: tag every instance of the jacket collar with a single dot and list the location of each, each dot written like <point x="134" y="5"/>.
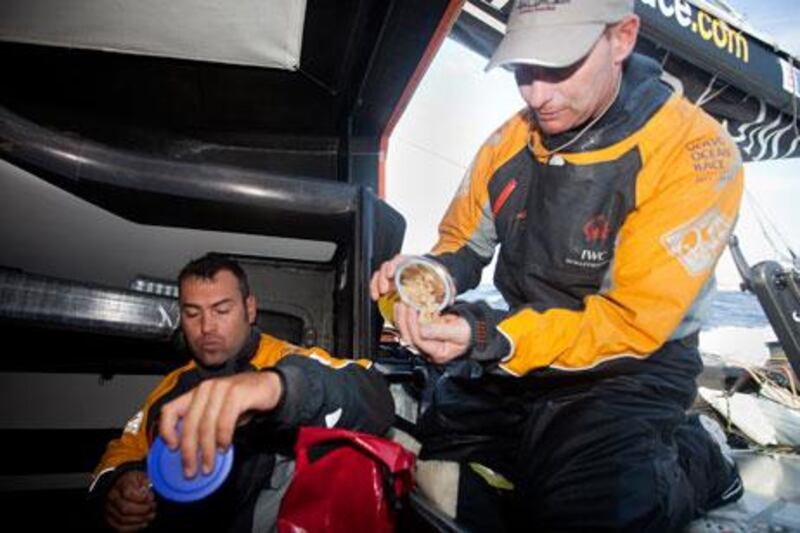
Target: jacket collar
<point x="238" y="363"/>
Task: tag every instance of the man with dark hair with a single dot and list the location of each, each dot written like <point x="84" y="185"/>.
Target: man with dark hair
<point x="244" y="387"/>
<point x="611" y="199"/>
<point x="207" y="266"/>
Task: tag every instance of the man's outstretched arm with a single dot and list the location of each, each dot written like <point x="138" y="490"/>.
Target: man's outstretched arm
<point x="300" y="390"/>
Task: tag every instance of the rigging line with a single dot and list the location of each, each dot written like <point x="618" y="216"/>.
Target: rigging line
<point x="702" y="98"/>
<point x="763" y="229"/>
<point x="760" y="216"/>
<point x="547" y="154"/>
<point x="761" y="213"/>
<point x="428" y="151"/>
<point x="715" y="94"/>
<point x="794" y="95"/>
<point x="331" y="90"/>
<point x="780" y="235"/>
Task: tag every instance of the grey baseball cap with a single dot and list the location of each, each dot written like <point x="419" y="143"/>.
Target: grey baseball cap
<point x="555" y="33"/>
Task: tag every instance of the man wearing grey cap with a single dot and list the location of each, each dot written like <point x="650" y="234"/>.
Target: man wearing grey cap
<point x="611" y="199"/>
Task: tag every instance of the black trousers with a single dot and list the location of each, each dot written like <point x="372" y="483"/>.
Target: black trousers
<point x="613" y="453"/>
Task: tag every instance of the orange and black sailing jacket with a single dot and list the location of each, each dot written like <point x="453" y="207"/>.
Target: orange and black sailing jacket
<point x="607" y="248"/>
<point x="319" y="390"/>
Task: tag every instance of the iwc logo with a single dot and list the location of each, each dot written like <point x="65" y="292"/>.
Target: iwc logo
<point x="595" y="254"/>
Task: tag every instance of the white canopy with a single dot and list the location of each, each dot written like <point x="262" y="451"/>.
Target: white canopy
<point x="265" y="33"/>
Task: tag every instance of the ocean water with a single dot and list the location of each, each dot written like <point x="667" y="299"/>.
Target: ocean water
<point x="729" y="309"/>
<point x="735" y="309"/>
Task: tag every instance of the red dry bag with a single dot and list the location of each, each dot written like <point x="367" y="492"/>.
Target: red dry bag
<point x="345" y="481"/>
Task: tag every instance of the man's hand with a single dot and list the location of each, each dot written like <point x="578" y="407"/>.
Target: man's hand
<point x="130" y="503"/>
<point x="382" y="281"/>
<point x="211" y="412"/>
<point x="446" y="338"/>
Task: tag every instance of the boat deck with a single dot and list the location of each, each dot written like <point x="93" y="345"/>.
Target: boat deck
<point x="771" y="502"/>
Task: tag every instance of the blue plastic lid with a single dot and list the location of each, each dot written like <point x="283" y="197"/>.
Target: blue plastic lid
<point x="166" y="473"/>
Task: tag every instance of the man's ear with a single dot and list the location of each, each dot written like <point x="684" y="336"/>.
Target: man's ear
<point x="623" y="37"/>
<point x="250" y="305"/>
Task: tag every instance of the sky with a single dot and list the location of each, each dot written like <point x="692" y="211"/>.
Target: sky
<point x="458" y="105"/>
<point x="779" y="18"/>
